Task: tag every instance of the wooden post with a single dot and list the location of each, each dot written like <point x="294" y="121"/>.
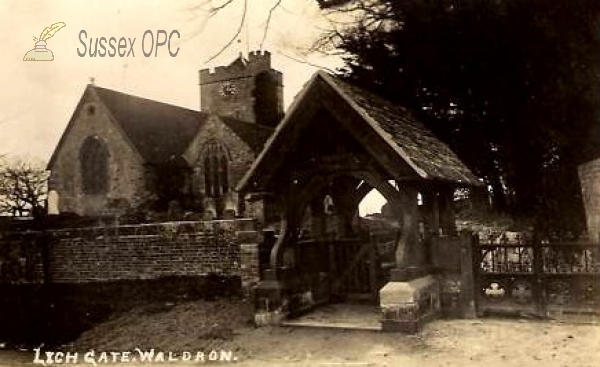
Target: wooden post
<point x="408" y="253"/>
<point x="447" y="218"/>
<point x="538" y="270"/>
<point x="434" y="212"/>
<point x="467" y="284"/>
<point x="373" y="268"/>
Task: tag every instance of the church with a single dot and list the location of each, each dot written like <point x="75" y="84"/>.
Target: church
<point x="299" y="176"/>
<point x="120" y="152"/>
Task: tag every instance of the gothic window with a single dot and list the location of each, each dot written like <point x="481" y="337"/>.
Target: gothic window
<point x="93" y="158"/>
<point x="216" y="170"/>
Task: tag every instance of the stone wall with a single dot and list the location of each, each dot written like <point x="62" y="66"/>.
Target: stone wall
<point x="241" y="155"/>
<point x="589" y="177"/>
<point x="241" y="77"/>
<point x="126" y="170"/>
<point x="446" y="263"/>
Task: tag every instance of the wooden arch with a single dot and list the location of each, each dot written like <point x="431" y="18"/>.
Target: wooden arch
<point x="297" y="202"/>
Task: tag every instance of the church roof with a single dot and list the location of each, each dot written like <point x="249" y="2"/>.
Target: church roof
<point x="410" y="141"/>
<point x="159" y="131"/>
<point x="251" y="133"/>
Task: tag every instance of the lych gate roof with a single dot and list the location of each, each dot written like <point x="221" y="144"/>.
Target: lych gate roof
<point x="159" y="131"/>
<point x="409" y="139"/>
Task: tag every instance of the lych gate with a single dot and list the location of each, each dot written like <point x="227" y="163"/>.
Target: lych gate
<point x="334" y="146"/>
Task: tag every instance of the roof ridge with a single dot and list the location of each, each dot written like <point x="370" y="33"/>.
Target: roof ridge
<point x="374" y="95"/>
<point x="249" y="123"/>
<point x="144" y="98"/>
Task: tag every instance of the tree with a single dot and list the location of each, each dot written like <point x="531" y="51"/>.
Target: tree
<point x="507" y="83"/>
<point x="23" y="188"/>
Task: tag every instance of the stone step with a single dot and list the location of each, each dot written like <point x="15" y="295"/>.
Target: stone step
<point x="346" y="316"/>
<point x="332" y="325"/>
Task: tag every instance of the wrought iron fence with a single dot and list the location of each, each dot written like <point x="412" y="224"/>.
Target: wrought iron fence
<point x="528" y="273"/>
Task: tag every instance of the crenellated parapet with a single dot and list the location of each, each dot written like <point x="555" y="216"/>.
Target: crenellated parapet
<point x="247" y="89"/>
<point x="257" y="61"/>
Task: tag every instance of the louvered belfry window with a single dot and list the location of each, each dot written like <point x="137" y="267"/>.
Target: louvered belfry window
<point x="93" y="158"/>
<point x="216" y="170"/>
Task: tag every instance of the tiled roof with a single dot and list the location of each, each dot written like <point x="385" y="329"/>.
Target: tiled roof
<point x="159" y="131"/>
<point x="251" y="133"/>
<point x="421" y="148"/>
<point x="409" y="139"/>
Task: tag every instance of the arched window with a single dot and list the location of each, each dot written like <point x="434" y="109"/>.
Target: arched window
<point x="216" y="170"/>
<point x="93" y="158"/>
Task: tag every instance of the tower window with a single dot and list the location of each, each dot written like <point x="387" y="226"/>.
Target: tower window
<point x="216" y="170"/>
<point x="93" y="158"/>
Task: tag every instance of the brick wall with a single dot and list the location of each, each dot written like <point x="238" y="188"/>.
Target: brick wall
<point x="153" y="251"/>
<point x="589" y="177"/>
<point x="21" y="258"/>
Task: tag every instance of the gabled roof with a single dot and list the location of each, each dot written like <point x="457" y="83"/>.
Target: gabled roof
<point x="251" y="133"/>
<point x="240" y="62"/>
<point x="408" y="138"/>
<point x="159" y="131"/>
<point x="416" y="144"/>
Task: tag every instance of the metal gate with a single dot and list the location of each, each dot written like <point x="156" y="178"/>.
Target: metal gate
<point x="534" y="275"/>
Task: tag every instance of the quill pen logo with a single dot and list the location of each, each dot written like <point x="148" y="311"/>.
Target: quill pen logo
<point x="40" y="52"/>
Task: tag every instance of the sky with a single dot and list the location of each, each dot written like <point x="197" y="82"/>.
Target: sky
<point x="38" y="98"/>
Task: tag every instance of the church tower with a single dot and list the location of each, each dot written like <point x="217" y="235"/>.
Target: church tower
<point x="247" y="89"/>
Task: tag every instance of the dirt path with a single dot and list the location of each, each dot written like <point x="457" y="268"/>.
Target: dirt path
<point x="442" y="343"/>
<point x="460" y="343"/>
<point x="222" y="325"/>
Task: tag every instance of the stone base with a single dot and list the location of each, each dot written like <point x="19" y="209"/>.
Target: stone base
<point x="406" y="306"/>
<point x="270" y="302"/>
<point x="265" y="318"/>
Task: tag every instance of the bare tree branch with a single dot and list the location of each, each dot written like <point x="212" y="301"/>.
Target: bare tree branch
<point x="237" y="33"/>
<point x="206" y="6"/>
<point x="341" y="14"/>
<point x="331" y="4"/>
<point x="305" y="62"/>
<point x="267" y="25"/>
<point x="23" y="188"/>
<point x="216" y="9"/>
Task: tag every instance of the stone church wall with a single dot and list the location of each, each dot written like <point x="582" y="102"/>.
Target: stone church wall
<point x="126" y="172"/>
<point x="240" y="154"/>
<point x="589" y="177"/>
